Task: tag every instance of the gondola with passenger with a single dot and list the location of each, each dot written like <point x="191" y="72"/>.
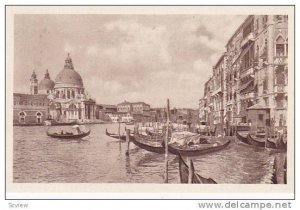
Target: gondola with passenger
<point x="78" y="134"/>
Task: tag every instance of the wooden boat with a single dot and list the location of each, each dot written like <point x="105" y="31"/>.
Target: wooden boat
<point x="271" y="144"/>
<point x="116" y="136"/>
<point x="256" y="141"/>
<point x="197" y="149"/>
<point x="242" y="136"/>
<point x="196" y="178"/>
<point x="150" y="133"/>
<point x="57" y="123"/>
<point x="69" y="135"/>
<point x="148" y="144"/>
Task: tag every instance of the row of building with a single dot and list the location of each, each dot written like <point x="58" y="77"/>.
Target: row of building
<point x="65" y="100"/>
<point x="249" y="83"/>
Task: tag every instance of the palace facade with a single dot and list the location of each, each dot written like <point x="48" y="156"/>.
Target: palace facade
<point x="249" y="82"/>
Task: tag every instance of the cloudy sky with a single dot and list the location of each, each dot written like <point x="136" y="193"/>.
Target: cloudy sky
<point x="125" y="57"/>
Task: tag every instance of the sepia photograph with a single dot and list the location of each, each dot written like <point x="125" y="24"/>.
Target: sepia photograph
<point x="150" y="96"/>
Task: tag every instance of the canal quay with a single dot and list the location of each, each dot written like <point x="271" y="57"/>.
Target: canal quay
<point x="112" y="116"/>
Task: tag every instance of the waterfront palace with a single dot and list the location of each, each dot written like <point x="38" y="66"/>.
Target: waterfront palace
<point x="250" y="80"/>
<point x="63" y="100"/>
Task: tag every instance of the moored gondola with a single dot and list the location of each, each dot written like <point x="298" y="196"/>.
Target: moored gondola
<point x="153" y="134"/>
<point x="196" y="149"/>
<point x="196" y="178"/>
<point x="256" y="141"/>
<point x="116" y="136"/>
<point x="148" y="144"/>
<point x="243" y="136"/>
<point x="69" y="135"/>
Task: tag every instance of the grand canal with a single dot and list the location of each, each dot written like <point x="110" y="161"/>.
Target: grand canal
<point x="101" y="159"/>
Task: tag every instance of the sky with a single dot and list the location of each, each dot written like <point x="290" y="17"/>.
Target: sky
<point x="125" y="57"/>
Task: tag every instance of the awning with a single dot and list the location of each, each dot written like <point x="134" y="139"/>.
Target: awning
<point x="248" y="87"/>
<point x="243" y="52"/>
<point x="258" y="107"/>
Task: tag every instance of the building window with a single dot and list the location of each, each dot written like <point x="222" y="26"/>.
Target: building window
<point x="35" y="90"/>
<point x="38" y="117"/>
<point x="280" y="100"/>
<point x="261" y="117"/>
<point x="68" y="94"/>
<point x="280" y="75"/>
<point x="73" y="94"/>
<point x="280" y="51"/>
<point x="22" y="116"/>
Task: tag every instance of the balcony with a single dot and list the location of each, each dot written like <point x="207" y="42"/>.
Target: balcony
<point x="248" y="38"/>
<point x="280" y="88"/>
<point x="247" y="95"/>
<point x="247" y="72"/>
<point x="280" y="60"/>
<point x="217" y="91"/>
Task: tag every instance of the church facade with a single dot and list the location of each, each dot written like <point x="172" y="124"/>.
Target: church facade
<point x="65" y="98"/>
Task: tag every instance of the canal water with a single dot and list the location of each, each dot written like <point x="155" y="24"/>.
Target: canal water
<point x="101" y="159"/>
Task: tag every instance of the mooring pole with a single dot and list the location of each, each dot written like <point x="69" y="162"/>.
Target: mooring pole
<point x="128" y="141"/>
<point x="166" y="142"/>
<point x="119" y="128"/>
<point x="190" y="170"/>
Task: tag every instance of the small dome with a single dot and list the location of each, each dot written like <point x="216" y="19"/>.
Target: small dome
<point x="68" y="77"/>
<point x="46" y="83"/>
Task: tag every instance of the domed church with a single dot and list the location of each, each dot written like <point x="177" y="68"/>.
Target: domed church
<point x="46" y="85"/>
<point x="68" y="100"/>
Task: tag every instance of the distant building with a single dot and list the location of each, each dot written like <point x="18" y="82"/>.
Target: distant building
<point x="63" y="100"/>
<point x="104" y="111"/>
<point x="138" y="111"/>
<point x="30" y="109"/>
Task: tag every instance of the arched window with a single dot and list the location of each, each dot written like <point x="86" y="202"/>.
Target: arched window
<point x="39" y="117"/>
<point x="73" y="94"/>
<point x="280" y="51"/>
<point x="57" y="94"/>
<point x="22" y="116"/>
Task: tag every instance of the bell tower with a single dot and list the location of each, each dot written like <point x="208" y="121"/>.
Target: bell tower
<point x="33" y="84"/>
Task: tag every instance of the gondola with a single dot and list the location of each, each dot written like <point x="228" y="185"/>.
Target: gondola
<point x="256" y="141"/>
<point x="271" y="144"/>
<point x="197" y="149"/>
<point x="69" y="135"/>
<point x="279" y="145"/>
<point x="57" y="123"/>
<point x="150" y="133"/>
<point x="242" y="136"/>
<point x="196" y="178"/>
<point x="148" y="144"/>
<point x="116" y="136"/>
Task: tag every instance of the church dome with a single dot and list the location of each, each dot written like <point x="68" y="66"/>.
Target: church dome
<point x="68" y="77"/>
<point x="46" y="83"/>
